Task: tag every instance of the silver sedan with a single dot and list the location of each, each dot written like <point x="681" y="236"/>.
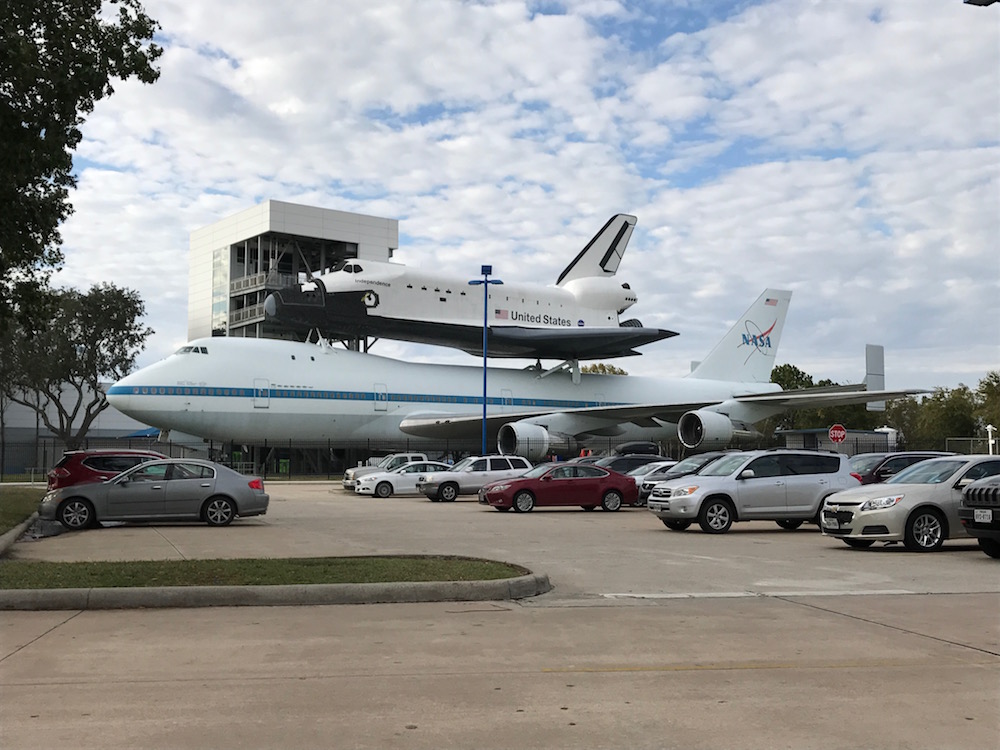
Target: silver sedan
<point x="918" y="506"/>
<point x="177" y="489"/>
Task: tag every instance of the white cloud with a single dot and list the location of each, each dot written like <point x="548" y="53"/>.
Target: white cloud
<point x="847" y="151"/>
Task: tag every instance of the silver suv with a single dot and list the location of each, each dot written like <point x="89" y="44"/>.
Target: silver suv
<point x="469" y="474"/>
<point x="787" y="486"/>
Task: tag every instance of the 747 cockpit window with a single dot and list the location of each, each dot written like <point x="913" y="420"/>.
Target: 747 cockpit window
<point x="192" y="350"/>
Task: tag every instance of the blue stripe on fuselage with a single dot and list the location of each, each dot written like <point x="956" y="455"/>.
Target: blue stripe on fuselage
<point x="309" y="394"/>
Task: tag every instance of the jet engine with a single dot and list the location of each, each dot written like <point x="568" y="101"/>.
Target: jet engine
<point x="533" y="441"/>
<point x="706" y="429"/>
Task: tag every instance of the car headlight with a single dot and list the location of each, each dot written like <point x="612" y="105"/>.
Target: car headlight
<point x="878" y="503"/>
<point x="497" y="487"/>
<point x="682" y="491"/>
<point x="366" y="479"/>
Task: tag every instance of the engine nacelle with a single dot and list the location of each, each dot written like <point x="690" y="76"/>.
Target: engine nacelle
<point x="533" y="441"/>
<point x="706" y="429"/>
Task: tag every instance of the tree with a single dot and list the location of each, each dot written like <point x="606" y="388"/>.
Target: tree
<point x="93" y="337"/>
<point x="988" y="400"/>
<point x="599" y="368"/>
<point x="57" y="59"/>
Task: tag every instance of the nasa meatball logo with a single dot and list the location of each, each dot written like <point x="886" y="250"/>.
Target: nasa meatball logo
<point x="370" y="299"/>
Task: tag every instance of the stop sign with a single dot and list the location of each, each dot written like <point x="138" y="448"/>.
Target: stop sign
<point x="838" y="433"/>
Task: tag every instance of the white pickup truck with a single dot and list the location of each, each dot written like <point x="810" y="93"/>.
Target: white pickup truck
<point x="389" y="462"/>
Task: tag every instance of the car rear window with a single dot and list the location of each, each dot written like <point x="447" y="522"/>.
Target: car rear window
<point x="113" y="463"/>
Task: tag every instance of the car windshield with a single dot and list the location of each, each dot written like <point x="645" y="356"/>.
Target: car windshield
<point x="864" y="462"/>
<point x="641" y="471"/>
<point x="537" y="471"/>
<point x="928" y="472"/>
<point x="691" y="463"/>
<point x="463" y="463"/>
<point x="724" y="466"/>
<point x="384" y="462"/>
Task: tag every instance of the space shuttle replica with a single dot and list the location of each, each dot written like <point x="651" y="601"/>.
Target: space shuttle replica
<point x="577" y="318"/>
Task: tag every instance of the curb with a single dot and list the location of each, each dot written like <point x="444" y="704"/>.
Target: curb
<point x="8" y="538"/>
<point x="274" y="596"/>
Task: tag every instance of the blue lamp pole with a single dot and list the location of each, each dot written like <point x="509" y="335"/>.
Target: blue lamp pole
<point x="486" y="271"/>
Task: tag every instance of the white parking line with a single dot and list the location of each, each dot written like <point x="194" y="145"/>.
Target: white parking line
<point x="752" y="594"/>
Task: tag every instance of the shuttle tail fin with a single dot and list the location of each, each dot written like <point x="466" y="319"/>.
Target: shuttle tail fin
<point x="603" y="253"/>
<point x="746" y="354"/>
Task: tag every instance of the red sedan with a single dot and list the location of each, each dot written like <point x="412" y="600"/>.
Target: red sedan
<point x="585" y="485"/>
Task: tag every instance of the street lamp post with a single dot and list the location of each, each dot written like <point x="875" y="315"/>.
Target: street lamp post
<point x="486" y="271"/>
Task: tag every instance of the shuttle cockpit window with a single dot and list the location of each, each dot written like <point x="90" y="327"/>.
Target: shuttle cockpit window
<point x="347" y="266"/>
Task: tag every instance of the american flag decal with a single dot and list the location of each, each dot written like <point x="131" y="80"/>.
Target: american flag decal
<point x="770" y="302"/>
<point x="500" y="314"/>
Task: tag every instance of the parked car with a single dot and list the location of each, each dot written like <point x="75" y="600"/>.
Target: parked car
<point x="564" y="484"/>
<point x="689" y="465"/>
<point x="85" y="466"/>
<point x="786" y="486"/>
<point x="980" y="513"/>
<point x="399" y="481"/>
<point x="878" y="467"/>
<point x="468" y="475"/>
<point x="386" y="463"/>
<point x="176" y="488"/>
<point x="626" y="462"/>
<point x="919" y="506"/>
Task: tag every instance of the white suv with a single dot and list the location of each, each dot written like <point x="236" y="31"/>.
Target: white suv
<point x="469" y="474"/>
<point x="787" y="486"/>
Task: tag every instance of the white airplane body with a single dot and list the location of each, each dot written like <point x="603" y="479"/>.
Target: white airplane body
<point x="252" y="390"/>
<point x="577" y="318"/>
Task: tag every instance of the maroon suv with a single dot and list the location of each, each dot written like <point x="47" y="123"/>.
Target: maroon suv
<point x="83" y="467"/>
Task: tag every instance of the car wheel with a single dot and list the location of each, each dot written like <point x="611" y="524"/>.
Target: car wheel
<point x="219" y="511"/>
<point x="448" y="492"/>
<point x="990" y="546"/>
<point x="383" y="489"/>
<point x="76" y="514"/>
<point x="859" y="543"/>
<point x="612" y="500"/>
<point x="924" y="531"/>
<point x="788" y="524"/>
<point x="715" y="516"/>
<point x="675" y="525"/>
<point x="524" y="501"/>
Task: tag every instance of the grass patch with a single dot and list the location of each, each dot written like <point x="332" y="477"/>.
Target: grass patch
<point x="16" y="504"/>
<point x="18" y="574"/>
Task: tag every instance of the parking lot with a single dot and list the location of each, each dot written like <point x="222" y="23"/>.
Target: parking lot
<point x="650" y="638"/>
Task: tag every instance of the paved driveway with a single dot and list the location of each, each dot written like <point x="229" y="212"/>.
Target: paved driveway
<point x="650" y="639"/>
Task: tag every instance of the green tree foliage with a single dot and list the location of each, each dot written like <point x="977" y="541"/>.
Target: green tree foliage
<point x="988" y="400"/>
<point x="599" y="368"/>
<point x="57" y="58"/>
<point x="92" y="337"/>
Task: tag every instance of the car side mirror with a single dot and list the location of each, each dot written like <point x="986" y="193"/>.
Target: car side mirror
<point x="546" y="478"/>
<point x="747" y="474"/>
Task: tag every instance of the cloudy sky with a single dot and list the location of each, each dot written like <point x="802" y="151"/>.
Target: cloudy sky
<point x="848" y="151"/>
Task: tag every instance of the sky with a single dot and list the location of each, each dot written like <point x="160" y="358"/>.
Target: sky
<point x="848" y="151"/>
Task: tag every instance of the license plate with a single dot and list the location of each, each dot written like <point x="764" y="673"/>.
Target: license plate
<point x="982" y="515"/>
<point x="831" y="522"/>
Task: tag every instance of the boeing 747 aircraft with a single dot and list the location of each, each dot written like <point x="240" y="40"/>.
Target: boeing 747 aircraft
<point x="577" y="318"/>
<point x="251" y="390"/>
